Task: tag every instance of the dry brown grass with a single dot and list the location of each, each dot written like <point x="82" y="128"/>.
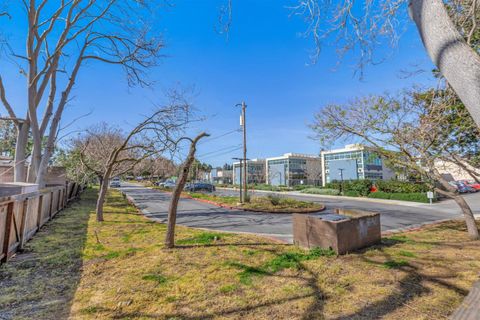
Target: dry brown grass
<point x="127" y="274"/>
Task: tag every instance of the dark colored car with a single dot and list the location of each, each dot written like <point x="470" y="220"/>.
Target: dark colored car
<point x="200" y="186"/>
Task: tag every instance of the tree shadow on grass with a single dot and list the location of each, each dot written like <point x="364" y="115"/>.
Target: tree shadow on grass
<point x="410" y="287"/>
<point x="40" y="282"/>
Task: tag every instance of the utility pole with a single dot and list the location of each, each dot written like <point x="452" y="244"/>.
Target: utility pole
<point x="245" y="171"/>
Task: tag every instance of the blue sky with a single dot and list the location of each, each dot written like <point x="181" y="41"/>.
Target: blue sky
<point x="264" y="63"/>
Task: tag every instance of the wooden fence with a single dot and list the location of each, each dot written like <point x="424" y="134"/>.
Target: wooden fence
<point x="21" y="216"/>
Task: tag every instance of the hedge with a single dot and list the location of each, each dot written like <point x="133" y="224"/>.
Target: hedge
<point x="351" y="193"/>
<point x="395" y="186"/>
<point x="325" y="191"/>
<point x="361" y="187"/>
<point x="412" y="196"/>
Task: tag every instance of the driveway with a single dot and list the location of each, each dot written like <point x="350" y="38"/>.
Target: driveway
<point x="192" y="213"/>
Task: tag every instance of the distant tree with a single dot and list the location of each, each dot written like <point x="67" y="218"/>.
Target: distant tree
<point x="410" y="131"/>
<point x="155" y="166"/>
<point x="181" y="181"/>
<point x="7" y="137"/>
<point x="75" y="169"/>
<point x="61" y="38"/>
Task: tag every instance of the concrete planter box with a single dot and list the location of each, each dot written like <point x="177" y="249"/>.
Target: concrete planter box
<point x="353" y="230"/>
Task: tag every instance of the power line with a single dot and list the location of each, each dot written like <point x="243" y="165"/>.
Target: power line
<point x="221" y="154"/>
<point x="220" y="136"/>
<point x="219" y="150"/>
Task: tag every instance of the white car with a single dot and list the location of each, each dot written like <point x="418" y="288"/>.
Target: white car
<point x="115" y="183"/>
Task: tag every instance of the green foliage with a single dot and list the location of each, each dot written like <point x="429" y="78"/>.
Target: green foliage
<point x="268" y="187"/>
<point x="351" y="193"/>
<point x="395" y="186"/>
<point x="405" y="253"/>
<point x="415" y="196"/>
<point x="324" y="191"/>
<point x="274" y="200"/>
<point x="300" y="187"/>
<point x="395" y="264"/>
<point x="287" y="260"/>
<point x="361" y="187"/>
<point x="202" y="238"/>
<point x="158" y="278"/>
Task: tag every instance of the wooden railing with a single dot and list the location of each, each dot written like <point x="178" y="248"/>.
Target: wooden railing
<point x="21" y="216"/>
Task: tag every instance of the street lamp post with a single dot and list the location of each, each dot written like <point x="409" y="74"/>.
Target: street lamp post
<point x="240" y="180"/>
<point x="341" y="179"/>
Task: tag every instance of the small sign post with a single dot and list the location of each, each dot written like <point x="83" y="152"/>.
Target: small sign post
<point x="430" y="196"/>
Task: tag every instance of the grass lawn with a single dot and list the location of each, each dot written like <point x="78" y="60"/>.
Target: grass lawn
<point x="270" y="203"/>
<point x="78" y="268"/>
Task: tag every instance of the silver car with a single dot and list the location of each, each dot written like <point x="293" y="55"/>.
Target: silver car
<point x="115" y="183"/>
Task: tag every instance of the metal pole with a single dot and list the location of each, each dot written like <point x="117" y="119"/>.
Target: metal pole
<point x="341" y="181"/>
<point x="240" y="182"/>
<point x="245" y="171"/>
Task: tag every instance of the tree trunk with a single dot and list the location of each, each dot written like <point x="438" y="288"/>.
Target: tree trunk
<point x="20" y="173"/>
<point x="448" y="50"/>
<point x="469" y="217"/>
<point x="466" y="210"/>
<point x="172" y="210"/>
<point x="102" y="193"/>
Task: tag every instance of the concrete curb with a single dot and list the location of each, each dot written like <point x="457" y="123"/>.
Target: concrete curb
<point x="385" y="201"/>
<point x="250" y="210"/>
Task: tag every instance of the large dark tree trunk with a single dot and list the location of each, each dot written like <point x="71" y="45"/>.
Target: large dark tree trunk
<point x="455" y="59"/>
<point x="182" y="179"/>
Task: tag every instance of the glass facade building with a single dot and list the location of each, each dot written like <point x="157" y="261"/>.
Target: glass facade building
<point x="352" y="163"/>
<point x="255" y="169"/>
<point x="293" y="169"/>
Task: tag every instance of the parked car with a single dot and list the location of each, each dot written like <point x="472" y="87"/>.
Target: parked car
<point x="200" y="186"/>
<point x="115" y="183"/>
<point x="462" y="188"/>
<point x="169" y="184"/>
<point x="471" y="183"/>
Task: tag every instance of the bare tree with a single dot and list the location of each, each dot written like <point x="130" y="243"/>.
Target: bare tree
<point x="182" y="179"/>
<point x="109" y="152"/>
<point x="62" y="37"/>
<point x="407" y="133"/>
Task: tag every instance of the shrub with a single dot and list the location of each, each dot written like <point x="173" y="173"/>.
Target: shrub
<point x="351" y="193"/>
<point x="330" y="192"/>
<point x="362" y="187"/>
<point x="414" y="196"/>
<point x="274" y="200"/>
<point x="395" y="186"/>
<point x="300" y="187"/>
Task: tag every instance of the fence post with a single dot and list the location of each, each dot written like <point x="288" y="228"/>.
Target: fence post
<point x="8" y="230"/>
<point x="23" y="223"/>
<point x="39" y="212"/>
<point x="51" y="206"/>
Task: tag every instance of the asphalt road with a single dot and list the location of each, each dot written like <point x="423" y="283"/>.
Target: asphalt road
<point x="192" y="213"/>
